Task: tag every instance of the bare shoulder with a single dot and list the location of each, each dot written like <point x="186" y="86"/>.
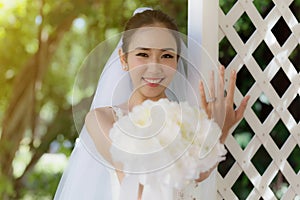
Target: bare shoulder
<point x="99" y="118"/>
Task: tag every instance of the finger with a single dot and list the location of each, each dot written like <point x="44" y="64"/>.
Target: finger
<point x="241" y="109"/>
<point x="231" y="88"/>
<point x="204" y="104"/>
<point x="221" y="82"/>
<point x="212" y="84"/>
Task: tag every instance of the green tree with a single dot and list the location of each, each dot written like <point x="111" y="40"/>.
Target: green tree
<point x="43" y="44"/>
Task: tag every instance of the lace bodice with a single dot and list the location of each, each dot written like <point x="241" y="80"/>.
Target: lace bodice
<point x="118" y="112"/>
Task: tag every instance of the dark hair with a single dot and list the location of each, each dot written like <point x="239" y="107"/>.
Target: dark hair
<point x="149" y="17"/>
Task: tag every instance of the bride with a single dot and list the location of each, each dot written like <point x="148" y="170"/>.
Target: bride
<point x="149" y="63"/>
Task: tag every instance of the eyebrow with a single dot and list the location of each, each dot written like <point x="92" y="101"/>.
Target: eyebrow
<point x="148" y="49"/>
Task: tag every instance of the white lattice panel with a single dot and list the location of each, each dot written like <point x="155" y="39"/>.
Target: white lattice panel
<point x="244" y="58"/>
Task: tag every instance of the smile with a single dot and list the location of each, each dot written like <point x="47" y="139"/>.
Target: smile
<point x="153" y="82"/>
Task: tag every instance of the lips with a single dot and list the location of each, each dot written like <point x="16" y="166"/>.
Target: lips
<point x="153" y="82"/>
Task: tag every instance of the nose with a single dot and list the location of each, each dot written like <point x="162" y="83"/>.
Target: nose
<point x="154" y="63"/>
<point x="154" y="66"/>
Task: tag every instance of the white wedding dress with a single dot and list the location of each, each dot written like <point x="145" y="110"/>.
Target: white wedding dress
<point x="88" y="176"/>
<point x="97" y="182"/>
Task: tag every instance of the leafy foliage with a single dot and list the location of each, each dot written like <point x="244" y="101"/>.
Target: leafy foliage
<point x="50" y="39"/>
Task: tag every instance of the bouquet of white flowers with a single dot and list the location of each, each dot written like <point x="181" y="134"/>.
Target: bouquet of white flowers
<point x="166" y="142"/>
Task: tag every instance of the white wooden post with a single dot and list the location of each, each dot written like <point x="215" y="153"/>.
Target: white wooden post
<point x="203" y="28"/>
<point x="203" y="25"/>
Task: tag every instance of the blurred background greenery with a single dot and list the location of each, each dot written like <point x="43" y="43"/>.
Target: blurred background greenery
<point x="42" y="45"/>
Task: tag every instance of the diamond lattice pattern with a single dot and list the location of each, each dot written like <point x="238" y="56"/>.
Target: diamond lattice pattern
<point x="274" y="86"/>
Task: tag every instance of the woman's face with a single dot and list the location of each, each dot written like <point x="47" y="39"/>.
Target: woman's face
<point x="152" y="60"/>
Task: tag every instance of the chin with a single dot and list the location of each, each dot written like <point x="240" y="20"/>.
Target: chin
<point x="154" y="94"/>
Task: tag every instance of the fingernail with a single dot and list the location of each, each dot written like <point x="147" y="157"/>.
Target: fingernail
<point x="201" y="85"/>
<point x="234" y="73"/>
<point x="247" y="98"/>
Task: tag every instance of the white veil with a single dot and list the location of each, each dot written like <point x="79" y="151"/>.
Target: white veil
<point x="88" y="176"/>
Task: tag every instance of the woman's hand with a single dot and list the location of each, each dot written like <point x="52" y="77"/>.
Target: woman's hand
<point x="221" y="107"/>
<point x="205" y="175"/>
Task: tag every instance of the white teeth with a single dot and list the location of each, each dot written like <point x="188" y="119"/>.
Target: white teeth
<point x="153" y="80"/>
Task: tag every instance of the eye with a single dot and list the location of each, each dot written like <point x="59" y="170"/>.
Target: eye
<point x="142" y="54"/>
<point x="167" y="56"/>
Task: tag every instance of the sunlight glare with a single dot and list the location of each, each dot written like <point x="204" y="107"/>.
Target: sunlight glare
<point x="79" y="25"/>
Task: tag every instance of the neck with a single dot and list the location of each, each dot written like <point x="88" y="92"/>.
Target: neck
<point x="137" y="99"/>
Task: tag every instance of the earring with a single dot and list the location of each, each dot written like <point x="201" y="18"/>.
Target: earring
<point x="125" y="68"/>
